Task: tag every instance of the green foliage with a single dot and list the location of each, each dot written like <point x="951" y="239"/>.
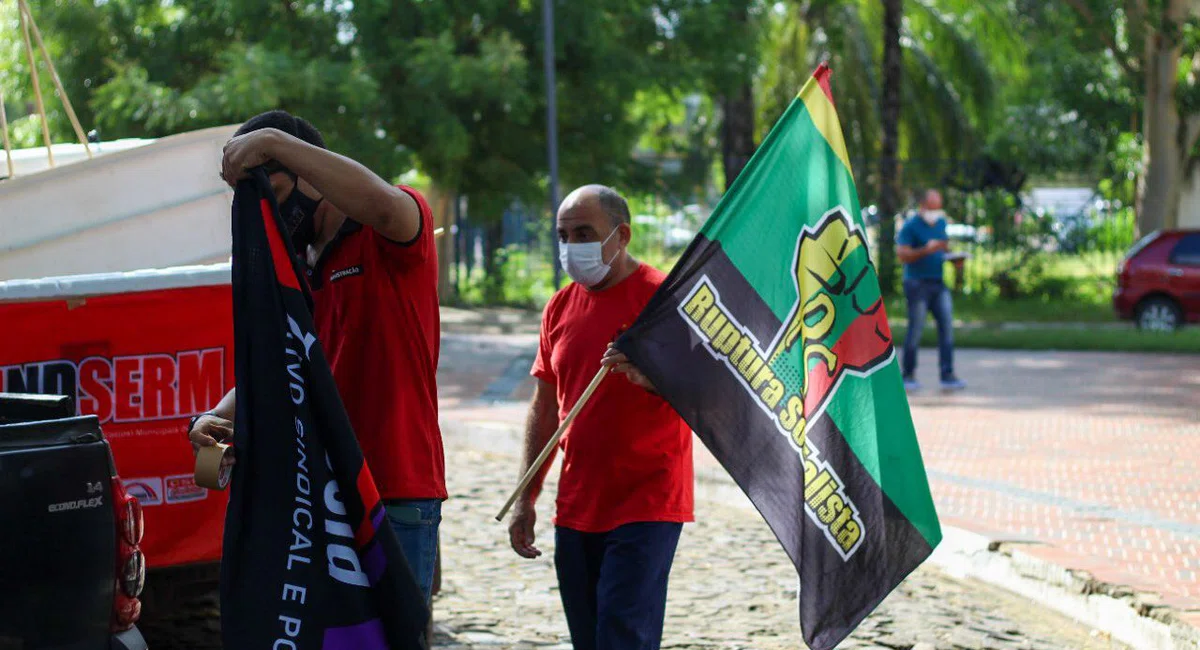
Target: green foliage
<point x="679" y="141"/>
<point x="956" y="55"/>
<point x="1042" y="275"/>
<point x="1076" y="100"/>
<point x="144" y="68"/>
<point x="456" y="88"/>
<point x="1046" y="136"/>
<point x="1114" y="234"/>
<point x="466" y="93"/>
<point x="524" y="279"/>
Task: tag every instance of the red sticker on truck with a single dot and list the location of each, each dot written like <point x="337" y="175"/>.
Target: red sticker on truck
<point x="183" y="489"/>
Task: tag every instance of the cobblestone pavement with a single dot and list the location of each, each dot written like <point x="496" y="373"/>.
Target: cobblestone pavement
<point x="732" y="587"/>
<point x="1087" y="460"/>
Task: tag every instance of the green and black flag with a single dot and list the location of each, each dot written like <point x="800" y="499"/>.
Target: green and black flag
<point x="770" y="339"/>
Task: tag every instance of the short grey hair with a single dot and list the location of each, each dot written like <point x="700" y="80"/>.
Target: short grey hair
<point x="614" y="205"/>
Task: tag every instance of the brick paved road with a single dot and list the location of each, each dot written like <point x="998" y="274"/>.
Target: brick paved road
<point x="1092" y="460"/>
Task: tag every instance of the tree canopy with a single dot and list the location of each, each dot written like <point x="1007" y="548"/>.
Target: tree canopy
<point x="650" y="92"/>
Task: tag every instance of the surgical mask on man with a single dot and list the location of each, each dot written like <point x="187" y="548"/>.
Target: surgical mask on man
<point x="585" y="262"/>
<point x="931" y="217"/>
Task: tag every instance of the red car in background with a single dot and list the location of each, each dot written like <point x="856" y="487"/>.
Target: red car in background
<point x="1158" y="282"/>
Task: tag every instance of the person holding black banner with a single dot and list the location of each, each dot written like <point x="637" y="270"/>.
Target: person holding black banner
<point x="626" y="484"/>
<point x="369" y="252"/>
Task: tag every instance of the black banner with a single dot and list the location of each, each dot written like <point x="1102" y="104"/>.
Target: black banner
<point x="310" y="562"/>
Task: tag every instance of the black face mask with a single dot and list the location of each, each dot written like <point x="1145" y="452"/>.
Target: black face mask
<point x="298" y="212"/>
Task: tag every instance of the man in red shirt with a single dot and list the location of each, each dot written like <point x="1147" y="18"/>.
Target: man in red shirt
<point x="373" y="271"/>
<point x="626" y="484"/>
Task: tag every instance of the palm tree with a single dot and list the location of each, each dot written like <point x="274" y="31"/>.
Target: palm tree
<point x="954" y="57"/>
<point x="893" y="11"/>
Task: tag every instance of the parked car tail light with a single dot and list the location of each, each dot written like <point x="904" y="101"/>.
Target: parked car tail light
<point x="130" y="569"/>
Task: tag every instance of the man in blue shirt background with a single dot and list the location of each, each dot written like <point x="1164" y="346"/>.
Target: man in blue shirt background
<point x="921" y="247"/>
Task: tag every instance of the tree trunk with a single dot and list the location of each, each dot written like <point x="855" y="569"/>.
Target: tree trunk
<point x="737" y="132"/>
<point x="737" y="110"/>
<point x="1167" y="140"/>
<point x="890" y="119"/>
<point x="493" y="284"/>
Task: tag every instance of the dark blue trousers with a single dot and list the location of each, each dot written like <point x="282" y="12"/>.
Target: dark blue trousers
<point x="928" y="295"/>
<point x="614" y="584"/>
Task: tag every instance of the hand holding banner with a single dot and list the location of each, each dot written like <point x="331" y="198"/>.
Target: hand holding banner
<point x="310" y="562"/>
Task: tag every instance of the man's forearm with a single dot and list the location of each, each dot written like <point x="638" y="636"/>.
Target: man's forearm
<point x="539" y="428"/>
<point x="908" y="255"/>
<point x="227" y="407"/>
<point x="355" y="190"/>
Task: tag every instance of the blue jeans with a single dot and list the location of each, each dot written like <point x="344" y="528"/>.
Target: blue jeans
<point x="614" y="585"/>
<point x="928" y="295"/>
<point x="416" y="524"/>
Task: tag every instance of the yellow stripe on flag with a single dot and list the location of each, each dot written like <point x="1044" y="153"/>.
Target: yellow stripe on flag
<point x="824" y="116"/>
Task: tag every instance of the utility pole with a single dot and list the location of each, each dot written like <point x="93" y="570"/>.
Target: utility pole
<point x="551" y="126"/>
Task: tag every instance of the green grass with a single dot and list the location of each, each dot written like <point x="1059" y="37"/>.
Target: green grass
<point x="975" y="309"/>
<point x="1186" y="340"/>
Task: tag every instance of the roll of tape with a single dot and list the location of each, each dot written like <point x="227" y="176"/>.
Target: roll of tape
<point x="211" y="469"/>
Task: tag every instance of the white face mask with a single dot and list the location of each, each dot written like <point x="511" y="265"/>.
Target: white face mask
<point x="585" y="262"/>
<point x="931" y="217"/>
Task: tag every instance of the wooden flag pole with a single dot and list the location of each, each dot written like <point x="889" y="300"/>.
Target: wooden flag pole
<point x="33" y="73"/>
<point x="4" y="131"/>
<point x="541" y="459"/>
<point x="62" y="92"/>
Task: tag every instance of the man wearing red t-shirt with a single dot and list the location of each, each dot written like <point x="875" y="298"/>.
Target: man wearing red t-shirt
<point x="373" y="271"/>
<point x="626" y="484"/>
